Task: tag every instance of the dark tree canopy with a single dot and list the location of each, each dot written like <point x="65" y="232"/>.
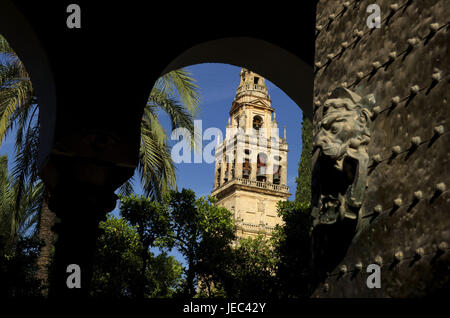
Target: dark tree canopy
<point x="303" y="191"/>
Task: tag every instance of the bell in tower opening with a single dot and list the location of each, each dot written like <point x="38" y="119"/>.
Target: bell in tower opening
<point x="257" y="122"/>
<point x="261" y="164"/>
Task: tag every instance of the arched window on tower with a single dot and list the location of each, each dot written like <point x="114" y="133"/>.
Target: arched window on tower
<point x="257" y="122"/>
<point x="227" y="169"/>
<point x="218" y="177"/>
<point x="276" y="174"/>
<point x="233" y="169"/>
<point x="246" y="169"/>
<point x="261" y="167"/>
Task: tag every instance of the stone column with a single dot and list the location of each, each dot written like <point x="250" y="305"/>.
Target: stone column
<point x="283" y="174"/>
<point x="269" y="169"/>
<point x="216" y="175"/>
<point x="79" y="207"/>
<point x="253" y="164"/>
<point x="254" y="167"/>
<point x="239" y="160"/>
<point x="238" y="169"/>
<point x="222" y="171"/>
<point x="227" y="168"/>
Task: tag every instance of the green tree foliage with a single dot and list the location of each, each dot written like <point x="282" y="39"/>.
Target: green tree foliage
<point x="166" y="275"/>
<point x="18" y="269"/>
<point x="292" y="243"/>
<point x="201" y="231"/>
<point x="16" y="220"/>
<point x="18" y="249"/>
<point x="293" y="239"/>
<point x="250" y="269"/>
<point x="150" y="218"/>
<point x="218" y="265"/>
<point x="19" y="111"/>
<point x="152" y="224"/>
<point x="303" y="191"/>
<point x="16" y="91"/>
<point x="279" y="267"/>
<point x="175" y="94"/>
<point x="118" y="265"/>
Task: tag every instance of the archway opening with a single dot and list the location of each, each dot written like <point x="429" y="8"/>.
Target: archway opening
<point x="257" y="122"/>
<point x="261" y="163"/>
<point x="291" y="74"/>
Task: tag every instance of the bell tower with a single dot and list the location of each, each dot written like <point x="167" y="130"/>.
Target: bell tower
<point x="251" y="161"/>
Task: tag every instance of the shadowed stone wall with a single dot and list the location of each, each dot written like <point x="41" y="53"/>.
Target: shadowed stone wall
<point x="405" y="217"/>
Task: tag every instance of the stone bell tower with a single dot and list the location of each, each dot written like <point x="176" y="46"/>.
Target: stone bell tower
<point x="251" y="162"/>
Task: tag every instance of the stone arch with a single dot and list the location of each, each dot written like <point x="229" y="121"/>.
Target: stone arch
<point x="287" y="71"/>
<point x="257" y="122"/>
<point x="104" y="149"/>
<point x="261" y="166"/>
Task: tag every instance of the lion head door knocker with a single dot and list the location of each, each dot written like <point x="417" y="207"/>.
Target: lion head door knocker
<point x="340" y="158"/>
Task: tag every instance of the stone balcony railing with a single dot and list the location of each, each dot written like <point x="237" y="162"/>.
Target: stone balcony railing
<point x="255" y="227"/>
<point x="252" y="90"/>
<point x="257" y="184"/>
<point x="254" y="87"/>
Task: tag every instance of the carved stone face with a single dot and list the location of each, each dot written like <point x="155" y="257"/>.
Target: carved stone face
<point x="341" y="158"/>
<point x="344" y="126"/>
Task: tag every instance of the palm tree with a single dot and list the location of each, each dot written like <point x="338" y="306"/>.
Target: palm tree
<point x="19" y="110"/>
<point x="156" y="169"/>
<point x="16" y="222"/>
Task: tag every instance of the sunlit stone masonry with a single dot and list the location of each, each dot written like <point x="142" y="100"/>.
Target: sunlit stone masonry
<point x="251" y="162"/>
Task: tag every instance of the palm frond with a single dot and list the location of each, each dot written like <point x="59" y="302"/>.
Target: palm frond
<point x="126" y="189"/>
<point x="6" y="197"/>
<point x="151" y="122"/>
<point x="17" y="219"/>
<point x="8" y="74"/>
<point x="155" y="167"/>
<point x="30" y="208"/>
<point x="7" y="50"/>
<point x="13" y="99"/>
<point x="25" y="165"/>
<point x="178" y="115"/>
<point x="180" y="82"/>
<point x="20" y="191"/>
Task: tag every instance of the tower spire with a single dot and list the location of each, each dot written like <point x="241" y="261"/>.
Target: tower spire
<point x="251" y="84"/>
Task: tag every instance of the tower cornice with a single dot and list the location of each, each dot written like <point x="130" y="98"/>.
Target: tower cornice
<point x="235" y="106"/>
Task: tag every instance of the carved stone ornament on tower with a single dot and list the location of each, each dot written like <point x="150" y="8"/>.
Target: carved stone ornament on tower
<point x="260" y="206"/>
<point x="340" y="158"/>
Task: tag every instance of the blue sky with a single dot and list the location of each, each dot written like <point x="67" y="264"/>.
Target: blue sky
<point x="218" y="83"/>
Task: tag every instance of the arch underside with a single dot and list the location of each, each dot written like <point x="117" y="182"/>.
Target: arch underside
<point x="284" y="69"/>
